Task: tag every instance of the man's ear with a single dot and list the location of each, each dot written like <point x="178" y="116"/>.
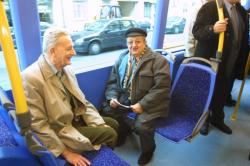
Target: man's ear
<point x="52" y="50"/>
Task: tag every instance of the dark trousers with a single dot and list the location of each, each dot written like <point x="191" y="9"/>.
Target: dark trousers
<point x="229" y="96"/>
<point x="146" y="134"/>
<point x="100" y="134"/>
<point x="145" y="131"/>
<point x="223" y="86"/>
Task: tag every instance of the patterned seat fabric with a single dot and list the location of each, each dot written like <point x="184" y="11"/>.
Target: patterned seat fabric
<point x="6" y="138"/>
<point x="190" y="97"/>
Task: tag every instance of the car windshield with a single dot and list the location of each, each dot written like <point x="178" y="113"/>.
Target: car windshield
<point x="96" y="26"/>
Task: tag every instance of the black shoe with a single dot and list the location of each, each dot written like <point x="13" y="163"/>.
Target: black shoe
<point x="145" y="158"/>
<point x="222" y="127"/>
<point x="205" y="129"/>
<point x="230" y="102"/>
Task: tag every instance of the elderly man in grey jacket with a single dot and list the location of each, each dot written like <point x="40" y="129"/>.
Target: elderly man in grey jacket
<point x="62" y="118"/>
<point x="140" y="80"/>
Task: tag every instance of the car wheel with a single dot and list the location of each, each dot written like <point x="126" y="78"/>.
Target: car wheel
<point x="176" y="30"/>
<point x="94" y="48"/>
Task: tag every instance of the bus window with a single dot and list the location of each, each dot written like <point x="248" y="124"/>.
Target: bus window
<point x="179" y="13"/>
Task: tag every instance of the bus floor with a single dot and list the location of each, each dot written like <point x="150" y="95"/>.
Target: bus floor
<point x="215" y="149"/>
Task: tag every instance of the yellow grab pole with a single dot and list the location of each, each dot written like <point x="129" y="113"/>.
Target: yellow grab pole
<point x="23" y="115"/>
<point x="218" y="57"/>
<point x="11" y="63"/>
<point x="219" y="4"/>
<point x="234" y="115"/>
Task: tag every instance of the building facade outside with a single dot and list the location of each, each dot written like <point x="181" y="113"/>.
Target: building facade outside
<point x="74" y="14"/>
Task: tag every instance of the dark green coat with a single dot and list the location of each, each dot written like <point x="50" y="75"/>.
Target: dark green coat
<point x="150" y="85"/>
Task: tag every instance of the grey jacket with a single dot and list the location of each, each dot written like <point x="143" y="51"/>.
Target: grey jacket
<point x="150" y="85"/>
<point x="51" y="112"/>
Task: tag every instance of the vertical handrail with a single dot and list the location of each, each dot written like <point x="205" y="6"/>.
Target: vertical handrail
<point x="22" y="112"/>
<point x="23" y="115"/>
<point x="215" y="61"/>
<point x="219" y="4"/>
<point x="11" y="63"/>
<point x="234" y="115"/>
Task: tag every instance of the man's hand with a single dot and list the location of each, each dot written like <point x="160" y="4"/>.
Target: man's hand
<point x="137" y="108"/>
<point x="220" y="26"/>
<point x="75" y="158"/>
<point x="113" y="103"/>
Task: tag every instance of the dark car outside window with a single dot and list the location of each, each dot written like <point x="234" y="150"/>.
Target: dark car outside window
<point x="101" y="35"/>
<point x="96" y="26"/>
<point x="126" y="24"/>
<point x="114" y="26"/>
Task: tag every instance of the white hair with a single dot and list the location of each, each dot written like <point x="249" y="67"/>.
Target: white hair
<point x="51" y="36"/>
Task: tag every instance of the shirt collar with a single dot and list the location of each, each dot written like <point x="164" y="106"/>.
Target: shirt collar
<point x="51" y="65"/>
<point x="228" y="6"/>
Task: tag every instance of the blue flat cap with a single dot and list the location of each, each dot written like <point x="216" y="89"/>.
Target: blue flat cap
<point x="135" y="32"/>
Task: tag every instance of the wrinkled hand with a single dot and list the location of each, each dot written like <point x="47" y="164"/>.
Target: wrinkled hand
<point x="137" y="108"/>
<point x="75" y="158"/>
<point x="113" y="103"/>
<point x="220" y="26"/>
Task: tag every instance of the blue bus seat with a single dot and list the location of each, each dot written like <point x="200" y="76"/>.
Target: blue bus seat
<point x="19" y="152"/>
<point x="103" y="157"/>
<point x="13" y="150"/>
<point x="191" y="94"/>
<point x="93" y="84"/>
<point x="177" y="57"/>
<point x="5" y="101"/>
<point x="169" y="58"/>
<point x="174" y="59"/>
<point x="6" y="138"/>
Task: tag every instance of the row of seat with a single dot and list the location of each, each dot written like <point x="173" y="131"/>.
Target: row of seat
<point x="190" y="96"/>
<point x="13" y="148"/>
<point x="191" y="93"/>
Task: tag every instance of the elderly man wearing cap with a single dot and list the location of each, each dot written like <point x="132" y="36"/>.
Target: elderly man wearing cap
<point x="140" y="79"/>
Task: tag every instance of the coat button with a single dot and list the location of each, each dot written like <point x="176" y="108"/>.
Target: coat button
<point x="79" y="139"/>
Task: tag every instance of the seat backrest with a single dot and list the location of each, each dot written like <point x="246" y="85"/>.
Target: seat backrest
<point x="93" y="84"/>
<point x="6" y="137"/>
<point x="192" y="88"/>
<point x="13" y="149"/>
<point x="4" y="100"/>
<point x="191" y="94"/>
<point x="168" y="56"/>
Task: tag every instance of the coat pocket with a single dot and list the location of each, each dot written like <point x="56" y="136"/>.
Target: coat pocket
<point x="146" y="80"/>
